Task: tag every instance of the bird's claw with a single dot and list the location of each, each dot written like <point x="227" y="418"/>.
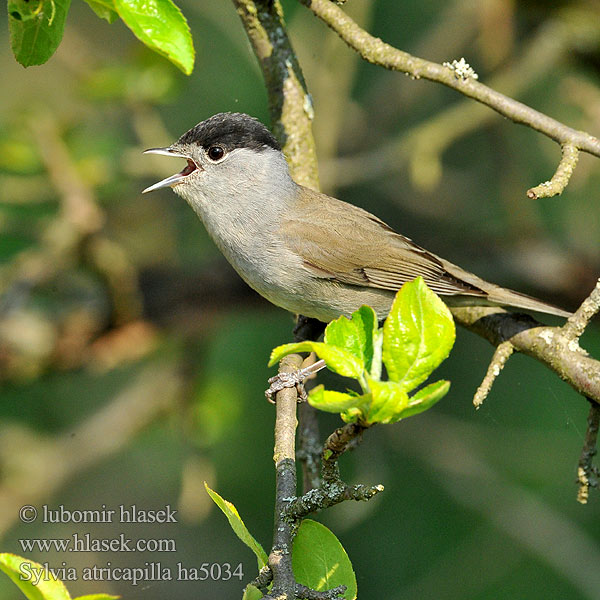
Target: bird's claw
<point x="288" y="380"/>
<point x="293" y="379"/>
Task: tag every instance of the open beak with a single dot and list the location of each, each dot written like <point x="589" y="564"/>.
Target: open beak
<point x="173" y="179"/>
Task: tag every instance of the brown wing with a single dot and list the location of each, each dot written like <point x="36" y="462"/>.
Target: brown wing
<point x="347" y="244"/>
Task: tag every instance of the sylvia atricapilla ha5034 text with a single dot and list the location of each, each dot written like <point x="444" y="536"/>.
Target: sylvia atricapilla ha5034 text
<point x="303" y="250"/>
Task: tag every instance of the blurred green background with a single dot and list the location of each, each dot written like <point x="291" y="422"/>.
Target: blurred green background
<point x="133" y="360"/>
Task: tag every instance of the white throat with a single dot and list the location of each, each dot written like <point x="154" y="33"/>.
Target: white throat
<point x="238" y="200"/>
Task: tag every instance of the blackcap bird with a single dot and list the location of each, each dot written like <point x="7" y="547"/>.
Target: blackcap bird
<point x="303" y="250"/>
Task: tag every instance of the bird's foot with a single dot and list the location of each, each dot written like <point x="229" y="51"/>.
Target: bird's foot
<point x="293" y="379"/>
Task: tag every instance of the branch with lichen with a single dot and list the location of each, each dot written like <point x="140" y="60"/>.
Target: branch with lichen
<point x="290" y="104"/>
<point x="501" y="355"/>
<point x="333" y="489"/>
<point x="556" y="347"/>
<point x="423" y="144"/>
<point x="562" y="176"/>
<point x="588" y="475"/>
<point x="459" y="76"/>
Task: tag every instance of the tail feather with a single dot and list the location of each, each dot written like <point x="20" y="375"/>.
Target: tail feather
<point x="513" y="299"/>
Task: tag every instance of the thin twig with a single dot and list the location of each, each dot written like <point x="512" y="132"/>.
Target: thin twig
<point x="263" y="579"/>
<point x="463" y="80"/>
<point x="562" y="176"/>
<point x="341" y="440"/>
<point x="578" y="321"/>
<point x="426" y="142"/>
<point x="587" y="473"/>
<point x="308" y="452"/>
<point x="502" y="353"/>
<point x="309" y="448"/>
<point x="332" y="489"/>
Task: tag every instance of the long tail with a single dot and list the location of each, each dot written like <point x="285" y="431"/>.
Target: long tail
<point x="492" y="294"/>
<point x="513" y="299"/>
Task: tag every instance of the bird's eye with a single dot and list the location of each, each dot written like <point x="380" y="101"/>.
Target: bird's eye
<point x="215" y="153"/>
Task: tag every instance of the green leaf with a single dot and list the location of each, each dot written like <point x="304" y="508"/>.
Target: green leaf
<point x="320" y="562"/>
<point x="376" y="365"/>
<point x="162" y="27"/>
<point x="36" y="28"/>
<point x="338" y="360"/>
<point x="24" y="572"/>
<point x="389" y="400"/>
<point x="417" y="335"/>
<point x="331" y="401"/>
<point x="230" y="511"/>
<point x="357" y="335"/>
<point x="426" y="398"/>
<point x="105" y="9"/>
<point x="252" y="593"/>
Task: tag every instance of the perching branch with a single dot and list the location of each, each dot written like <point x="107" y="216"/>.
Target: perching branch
<point x="280" y="557"/>
<point x="460" y="77"/>
<point x="285" y="586"/>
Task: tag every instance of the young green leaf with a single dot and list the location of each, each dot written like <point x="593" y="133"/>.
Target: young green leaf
<point x="338" y="360"/>
<point x="36" y="29"/>
<point x="353" y="415"/>
<point x="417" y="335"/>
<point x="105" y="9"/>
<point x="426" y="398"/>
<point x="320" y="562"/>
<point x="376" y="364"/>
<point x="162" y="27"/>
<point x="357" y="335"/>
<point x="331" y="401"/>
<point x="24" y="572"/>
<point x="389" y="400"/>
<point x="238" y="526"/>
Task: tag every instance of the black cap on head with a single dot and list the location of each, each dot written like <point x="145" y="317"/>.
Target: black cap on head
<point x="231" y="130"/>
